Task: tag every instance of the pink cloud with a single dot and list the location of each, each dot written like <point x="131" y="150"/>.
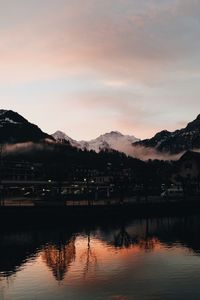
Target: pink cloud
<point x="128" y="49"/>
<point x="72" y="38"/>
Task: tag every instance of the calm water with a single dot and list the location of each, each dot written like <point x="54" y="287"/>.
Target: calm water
<point x="139" y="259"/>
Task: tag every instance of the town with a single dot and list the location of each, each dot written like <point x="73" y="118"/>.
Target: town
<point x="117" y="179"/>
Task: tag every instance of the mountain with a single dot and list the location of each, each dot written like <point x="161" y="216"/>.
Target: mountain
<point x="113" y="140"/>
<point x="16" y="129"/>
<point x="187" y="138"/>
<point x="61" y="137"/>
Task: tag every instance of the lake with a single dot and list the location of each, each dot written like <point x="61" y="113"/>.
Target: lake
<point x="133" y="259"/>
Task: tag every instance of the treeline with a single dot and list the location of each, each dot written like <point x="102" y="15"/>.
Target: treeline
<point x="63" y="161"/>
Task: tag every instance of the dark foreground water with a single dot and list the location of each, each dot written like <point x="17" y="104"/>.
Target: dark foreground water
<point x="137" y="259"/>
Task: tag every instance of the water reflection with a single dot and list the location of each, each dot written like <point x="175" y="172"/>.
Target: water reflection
<point x="59" y="257"/>
<point x="88" y="257"/>
<point x="82" y="254"/>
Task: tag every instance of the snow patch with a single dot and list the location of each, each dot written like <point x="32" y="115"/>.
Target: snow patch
<point x="11" y="121"/>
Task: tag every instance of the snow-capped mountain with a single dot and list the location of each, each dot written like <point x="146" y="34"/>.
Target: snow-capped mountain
<point x="187" y="138"/>
<point x="16" y="129"/>
<point x="113" y="140"/>
<point x="61" y="137"/>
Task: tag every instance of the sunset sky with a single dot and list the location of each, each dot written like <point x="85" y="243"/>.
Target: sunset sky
<point x="87" y="67"/>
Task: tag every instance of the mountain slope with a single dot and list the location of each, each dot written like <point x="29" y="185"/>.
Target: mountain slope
<point x="175" y="142"/>
<point x="16" y="129"/>
<point x="112" y="140"/>
<point x="61" y="137"/>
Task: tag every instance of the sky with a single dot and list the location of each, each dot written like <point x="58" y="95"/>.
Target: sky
<point x="87" y="67"/>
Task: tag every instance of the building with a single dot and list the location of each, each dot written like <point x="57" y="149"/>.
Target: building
<point x="22" y="171"/>
<point x="186" y="171"/>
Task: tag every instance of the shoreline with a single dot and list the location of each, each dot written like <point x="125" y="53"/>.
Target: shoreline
<point x="16" y="215"/>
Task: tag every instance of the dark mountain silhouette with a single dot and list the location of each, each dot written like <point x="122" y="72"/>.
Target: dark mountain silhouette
<point x="178" y="141"/>
<point x="16" y="129"/>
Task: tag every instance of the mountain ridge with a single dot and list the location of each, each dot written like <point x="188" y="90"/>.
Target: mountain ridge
<point x="16" y="129"/>
<point x="113" y="140"/>
<point x="177" y="141"/>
